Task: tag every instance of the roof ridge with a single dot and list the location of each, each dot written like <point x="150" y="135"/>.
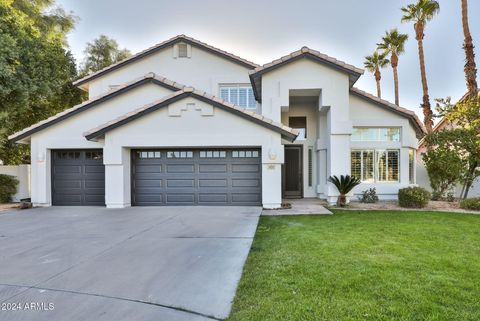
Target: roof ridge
<point x="146" y="51"/>
<point x="304" y="50"/>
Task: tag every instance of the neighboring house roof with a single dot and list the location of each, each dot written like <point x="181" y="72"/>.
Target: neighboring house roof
<point x="162" y="45"/>
<point x="420" y="128"/>
<point x="286" y="132"/>
<point x="148" y="78"/>
<point x="304" y="52"/>
<point x="444" y="121"/>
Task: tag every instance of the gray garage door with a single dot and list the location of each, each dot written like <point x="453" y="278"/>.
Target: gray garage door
<point x="196" y="177"/>
<point x="78" y="177"/>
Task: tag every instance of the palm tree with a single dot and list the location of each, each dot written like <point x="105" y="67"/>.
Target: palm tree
<point x="374" y="63"/>
<point x="419" y="13"/>
<point x="393" y="43"/>
<point x="344" y="184"/>
<point x="470" y="67"/>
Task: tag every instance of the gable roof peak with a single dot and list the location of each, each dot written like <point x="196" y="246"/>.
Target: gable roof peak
<point x="162" y="45"/>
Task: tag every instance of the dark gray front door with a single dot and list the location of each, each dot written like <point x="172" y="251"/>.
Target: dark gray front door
<point x="293" y="172"/>
<point x="196" y="177"/>
<point x="78" y="177"/>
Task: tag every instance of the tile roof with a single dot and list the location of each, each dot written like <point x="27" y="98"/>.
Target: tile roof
<point x="164" y="44"/>
<point x="400" y="110"/>
<point x="287" y="132"/>
<point x="256" y="74"/>
<point x="150" y="77"/>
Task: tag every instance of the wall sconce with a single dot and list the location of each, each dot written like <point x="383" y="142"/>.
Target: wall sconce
<point x="40" y="157"/>
<point x="272" y="155"/>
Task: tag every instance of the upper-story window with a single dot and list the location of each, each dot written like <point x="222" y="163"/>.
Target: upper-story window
<point x="239" y="94"/>
<point x="300" y="124"/>
<point x="376" y="134"/>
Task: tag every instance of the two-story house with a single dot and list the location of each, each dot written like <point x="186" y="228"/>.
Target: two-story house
<point x="185" y="123"/>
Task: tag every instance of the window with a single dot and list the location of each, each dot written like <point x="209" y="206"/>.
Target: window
<point x="68" y="155"/>
<point x="245" y="154"/>
<point x="376" y="134"/>
<point x="300" y="124"/>
<point x="180" y="154"/>
<point x="240" y="95"/>
<point x="182" y="50"/>
<point x="411" y="166"/>
<point x="149" y="154"/>
<point x="213" y="154"/>
<point x="375" y="166"/>
<point x="94" y="155"/>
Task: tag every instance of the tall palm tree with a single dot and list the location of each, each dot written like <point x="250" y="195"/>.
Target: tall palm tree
<point x="393" y="43"/>
<point x="419" y="13"/>
<point x="374" y="63"/>
<point x="470" y="67"/>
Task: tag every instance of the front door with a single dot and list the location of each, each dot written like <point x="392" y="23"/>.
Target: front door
<point x="293" y="172"/>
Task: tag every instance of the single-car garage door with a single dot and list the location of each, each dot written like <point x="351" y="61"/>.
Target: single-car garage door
<point x="196" y="177"/>
<point x="78" y="177"/>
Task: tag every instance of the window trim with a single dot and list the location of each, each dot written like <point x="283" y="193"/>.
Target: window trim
<point x="412" y="177"/>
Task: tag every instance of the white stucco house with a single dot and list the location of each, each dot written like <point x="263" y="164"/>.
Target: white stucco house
<point x="185" y="123"/>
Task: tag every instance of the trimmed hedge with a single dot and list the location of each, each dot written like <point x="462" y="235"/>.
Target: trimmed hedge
<point x="471" y="204"/>
<point x="8" y="188"/>
<point x="413" y="197"/>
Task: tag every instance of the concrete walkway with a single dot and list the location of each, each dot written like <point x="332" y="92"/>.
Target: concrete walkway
<point x="303" y="206"/>
<point x="92" y="263"/>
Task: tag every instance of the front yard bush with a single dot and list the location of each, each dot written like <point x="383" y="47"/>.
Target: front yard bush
<point x="8" y="187"/>
<point x="413" y="197"/>
<point x="369" y="196"/>
<point x="471" y="204"/>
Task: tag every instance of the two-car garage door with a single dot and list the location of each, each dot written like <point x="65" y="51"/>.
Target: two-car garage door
<point x="162" y="177"/>
<point x="196" y="177"/>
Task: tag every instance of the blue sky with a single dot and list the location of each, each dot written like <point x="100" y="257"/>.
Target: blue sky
<point x="263" y="30"/>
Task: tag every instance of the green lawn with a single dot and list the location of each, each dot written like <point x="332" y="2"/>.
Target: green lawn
<point x="363" y="266"/>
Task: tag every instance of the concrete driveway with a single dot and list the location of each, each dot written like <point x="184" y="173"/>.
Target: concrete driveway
<point x="92" y="263"/>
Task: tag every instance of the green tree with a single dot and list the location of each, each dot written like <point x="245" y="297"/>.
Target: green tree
<point x="374" y="63"/>
<point x="465" y="137"/>
<point x="393" y="43"/>
<point x="420" y="13"/>
<point x="101" y="53"/>
<point x="444" y="164"/>
<point x="36" y="71"/>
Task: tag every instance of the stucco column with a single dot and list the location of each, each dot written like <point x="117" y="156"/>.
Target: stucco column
<point x="338" y="154"/>
<point x="272" y="160"/>
<point x="40" y="175"/>
<point x="117" y="176"/>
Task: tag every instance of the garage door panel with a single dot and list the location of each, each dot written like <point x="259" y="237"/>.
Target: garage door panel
<point x="213" y="182"/>
<point x="180" y="183"/>
<point x="196" y="177"/>
<point x="212" y="198"/>
<point x="148" y="168"/>
<point x="78" y="177"/>
<point x="181" y="198"/>
<point x="240" y="182"/>
<point x="180" y="168"/>
<point x="212" y="168"/>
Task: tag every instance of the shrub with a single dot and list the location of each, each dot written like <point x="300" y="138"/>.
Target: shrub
<point x="413" y="197"/>
<point x="369" y="196"/>
<point x="471" y="204"/>
<point x="344" y="184"/>
<point x="8" y="187"/>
